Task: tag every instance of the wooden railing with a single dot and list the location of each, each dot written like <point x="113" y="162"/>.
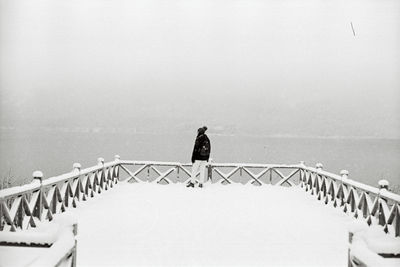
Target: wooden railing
<point x="224" y="173"/>
<point x="377" y="206"/>
<point x="53" y="248"/>
<point x="24" y="206"/>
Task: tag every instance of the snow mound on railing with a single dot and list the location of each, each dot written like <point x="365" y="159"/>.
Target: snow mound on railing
<point x="370" y="241"/>
<point x="58" y="234"/>
<point x="44" y="234"/>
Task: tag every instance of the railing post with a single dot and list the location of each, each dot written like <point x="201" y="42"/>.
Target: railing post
<point x="302" y="174"/>
<point x="116" y="168"/>
<point x="350" y="241"/>
<point x="345" y="175"/>
<point x="100" y="161"/>
<point x="1" y="214"/>
<point x="209" y="169"/>
<point x="38" y="210"/>
<point x="76" y="167"/>
<point x="37" y="177"/>
<point x="317" y="183"/>
<point x="319" y="166"/>
<point x="148" y="173"/>
<point x="75" y="249"/>
<point x="383" y="186"/>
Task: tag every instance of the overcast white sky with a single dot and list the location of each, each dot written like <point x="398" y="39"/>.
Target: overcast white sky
<point x="268" y="67"/>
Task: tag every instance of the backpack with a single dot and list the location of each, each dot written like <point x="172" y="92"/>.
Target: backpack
<point x="205" y="149"/>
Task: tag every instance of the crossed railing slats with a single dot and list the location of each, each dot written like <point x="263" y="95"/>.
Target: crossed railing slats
<point x="375" y="206"/>
<point x="25" y="206"/>
<point x="225" y="177"/>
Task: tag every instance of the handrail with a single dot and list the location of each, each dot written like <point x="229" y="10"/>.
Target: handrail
<point x="23" y="206"/>
<point x="368" y="188"/>
<point x="377" y="206"/>
<point x="58" y="239"/>
<point x="212" y="168"/>
<point x="18" y="190"/>
<point x="250" y="165"/>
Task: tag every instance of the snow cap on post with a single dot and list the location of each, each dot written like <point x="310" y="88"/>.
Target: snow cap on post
<point x="319" y="166"/>
<point x="76" y="167"/>
<point x="302" y="163"/>
<point x="117" y="157"/>
<point x="100" y="161"/>
<point x="383" y="184"/>
<point x="344" y="174"/>
<point x="37" y="176"/>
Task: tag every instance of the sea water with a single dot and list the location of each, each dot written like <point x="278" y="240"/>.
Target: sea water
<point x="53" y="152"/>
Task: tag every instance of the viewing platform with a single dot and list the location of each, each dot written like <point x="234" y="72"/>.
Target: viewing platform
<point x="140" y="213"/>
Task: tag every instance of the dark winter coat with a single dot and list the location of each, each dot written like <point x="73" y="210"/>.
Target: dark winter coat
<point x="201" y="140"/>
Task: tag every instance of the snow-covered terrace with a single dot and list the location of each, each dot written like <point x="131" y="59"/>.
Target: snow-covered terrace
<point x="300" y="216"/>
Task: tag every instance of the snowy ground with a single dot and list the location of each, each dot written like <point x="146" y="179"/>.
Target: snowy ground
<point x="150" y="224"/>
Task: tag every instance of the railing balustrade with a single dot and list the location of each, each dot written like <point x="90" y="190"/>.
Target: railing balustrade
<point x="224" y="173"/>
<point x="23" y="207"/>
<point x="377" y="206"/>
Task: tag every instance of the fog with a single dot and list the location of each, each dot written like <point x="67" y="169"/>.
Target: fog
<point x="274" y="67"/>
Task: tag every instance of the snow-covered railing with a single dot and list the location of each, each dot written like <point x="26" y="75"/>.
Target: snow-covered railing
<point x="224" y="173"/>
<point x="369" y="246"/>
<point x="24" y="206"/>
<point x="377" y="206"/>
<point x="21" y="207"/>
<point x="52" y="244"/>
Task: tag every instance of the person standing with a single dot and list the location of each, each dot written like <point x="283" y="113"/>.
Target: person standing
<point x="200" y="157"/>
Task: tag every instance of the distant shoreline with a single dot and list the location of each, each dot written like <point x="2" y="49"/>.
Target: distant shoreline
<point x="133" y="131"/>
